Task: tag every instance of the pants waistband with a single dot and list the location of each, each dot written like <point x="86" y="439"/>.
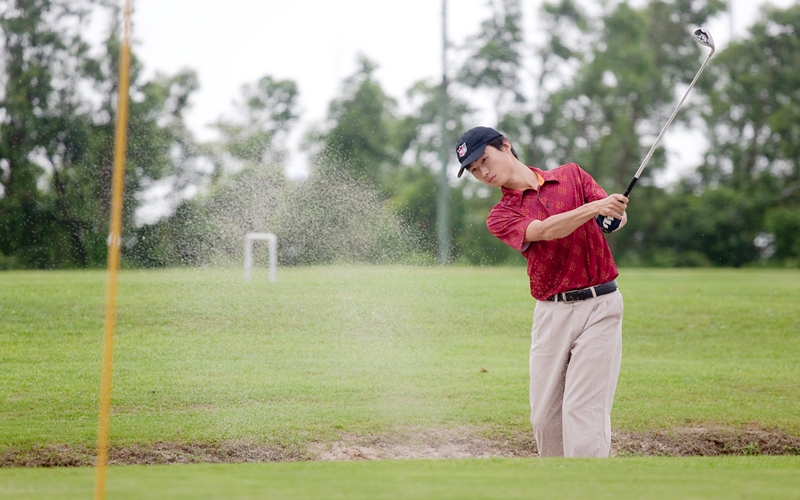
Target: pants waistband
<point x="584" y="293"/>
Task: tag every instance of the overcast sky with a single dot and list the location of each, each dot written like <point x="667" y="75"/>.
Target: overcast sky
<point x="315" y="43"/>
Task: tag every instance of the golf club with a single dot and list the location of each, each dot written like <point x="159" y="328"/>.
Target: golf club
<point x="608" y="223"/>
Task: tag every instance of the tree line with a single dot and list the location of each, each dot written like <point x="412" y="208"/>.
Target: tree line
<point x="593" y="88"/>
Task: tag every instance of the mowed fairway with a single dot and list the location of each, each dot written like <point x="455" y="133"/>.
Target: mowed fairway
<point x="329" y="353"/>
<point x="501" y="479"/>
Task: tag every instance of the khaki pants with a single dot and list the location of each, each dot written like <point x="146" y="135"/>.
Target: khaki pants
<point x="576" y="349"/>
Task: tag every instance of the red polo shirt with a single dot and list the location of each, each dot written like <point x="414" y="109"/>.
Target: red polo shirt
<point x="579" y="260"/>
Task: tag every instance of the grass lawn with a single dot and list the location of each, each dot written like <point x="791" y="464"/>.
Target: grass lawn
<point x="202" y="356"/>
<point x="328" y="352"/>
<point x="504" y="479"/>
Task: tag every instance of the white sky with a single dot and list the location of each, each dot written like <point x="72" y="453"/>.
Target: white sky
<point x="315" y="42"/>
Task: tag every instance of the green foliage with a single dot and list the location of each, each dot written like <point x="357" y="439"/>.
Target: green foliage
<point x="412" y="192"/>
<point x="360" y="139"/>
<point x="754" y="114"/>
<point x="754" y="124"/>
<point x="328" y="218"/>
<point x="420" y="130"/>
<point x="715" y="228"/>
<point x="494" y="58"/>
<point x="624" y="91"/>
<point x="267" y="112"/>
<point x="784" y="224"/>
<point x="57" y="133"/>
<point x="719" y="224"/>
<point x="179" y="240"/>
<point x="36" y="105"/>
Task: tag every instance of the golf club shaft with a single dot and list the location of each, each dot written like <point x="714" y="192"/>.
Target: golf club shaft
<point x="664" y="130"/>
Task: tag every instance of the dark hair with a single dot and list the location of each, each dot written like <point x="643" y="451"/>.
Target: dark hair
<point x="497" y="143"/>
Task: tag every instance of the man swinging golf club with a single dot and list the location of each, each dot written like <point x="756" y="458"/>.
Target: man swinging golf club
<point x="557" y="219"/>
<point x="576" y="347"/>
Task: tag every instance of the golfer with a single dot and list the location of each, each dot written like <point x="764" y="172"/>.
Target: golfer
<point x="576" y="339"/>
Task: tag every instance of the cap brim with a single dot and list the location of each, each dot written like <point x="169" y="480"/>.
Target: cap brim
<point x="470" y="158"/>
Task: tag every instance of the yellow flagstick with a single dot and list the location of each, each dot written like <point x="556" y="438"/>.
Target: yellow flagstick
<point x="113" y="254"/>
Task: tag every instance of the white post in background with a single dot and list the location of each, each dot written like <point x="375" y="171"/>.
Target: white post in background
<point x="272" y="241"/>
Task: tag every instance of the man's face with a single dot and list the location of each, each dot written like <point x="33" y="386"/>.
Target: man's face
<point x="495" y="166"/>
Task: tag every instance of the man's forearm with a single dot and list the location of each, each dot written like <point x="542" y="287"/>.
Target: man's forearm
<point x="560" y="225"/>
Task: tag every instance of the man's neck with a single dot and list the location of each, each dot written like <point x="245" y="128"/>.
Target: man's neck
<point x="522" y="178"/>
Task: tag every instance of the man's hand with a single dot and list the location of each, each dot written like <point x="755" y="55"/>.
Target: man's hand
<point x="613" y="205"/>
<point x="611" y="212"/>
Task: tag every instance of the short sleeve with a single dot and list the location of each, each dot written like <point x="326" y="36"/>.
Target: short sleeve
<point x="591" y="189"/>
<point x="509" y="226"/>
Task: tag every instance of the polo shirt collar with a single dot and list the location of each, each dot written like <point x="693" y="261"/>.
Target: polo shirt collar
<point x="515" y="195"/>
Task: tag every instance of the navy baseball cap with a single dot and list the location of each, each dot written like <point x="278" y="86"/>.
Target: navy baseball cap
<point x="471" y="145"/>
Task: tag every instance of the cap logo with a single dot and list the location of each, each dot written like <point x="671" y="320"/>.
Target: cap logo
<point x="462" y="150"/>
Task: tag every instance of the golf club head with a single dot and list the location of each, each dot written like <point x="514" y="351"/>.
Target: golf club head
<point x="703" y="37"/>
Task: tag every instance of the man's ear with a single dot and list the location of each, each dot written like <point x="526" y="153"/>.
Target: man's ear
<point x="506" y="145"/>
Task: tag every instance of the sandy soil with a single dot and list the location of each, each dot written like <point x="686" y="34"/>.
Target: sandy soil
<point x="421" y="443"/>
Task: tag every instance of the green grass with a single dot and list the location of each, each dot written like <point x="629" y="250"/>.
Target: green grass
<point x="619" y="479"/>
<point x="710" y="346"/>
<point x="201" y="356"/>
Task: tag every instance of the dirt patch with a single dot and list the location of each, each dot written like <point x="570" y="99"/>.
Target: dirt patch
<point x="704" y="441"/>
<point x="408" y="444"/>
<point x="697" y="441"/>
<point x="185" y="453"/>
<point x="151" y="454"/>
<point x="426" y="443"/>
<point x="57" y="455"/>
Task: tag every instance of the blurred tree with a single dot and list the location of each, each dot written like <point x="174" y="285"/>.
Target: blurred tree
<point x="246" y="185"/>
<point x="717" y="227"/>
<point x="494" y="55"/>
<point x="412" y="195"/>
<point x="754" y="116"/>
<point x="362" y="136"/>
<point x="783" y="224"/>
<point x="413" y="189"/>
<point x="531" y="123"/>
<point x="602" y="87"/>
<point x="57" y="133"/>
<point x="265" y="115"/>
<point x="754" y="129"/>
<point x="419" y="132"/>
<point x="37" y="102"/>
<point x="624" y="91"/>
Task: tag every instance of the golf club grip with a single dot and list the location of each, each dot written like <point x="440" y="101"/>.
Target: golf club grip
<point x="608" y="223"/>
<point x="630" y="187"/>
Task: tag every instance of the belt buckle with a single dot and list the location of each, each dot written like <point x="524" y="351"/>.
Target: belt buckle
<point x="565" y="300"/>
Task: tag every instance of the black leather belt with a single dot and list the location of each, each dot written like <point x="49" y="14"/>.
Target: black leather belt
<point x="584" y="293"/>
